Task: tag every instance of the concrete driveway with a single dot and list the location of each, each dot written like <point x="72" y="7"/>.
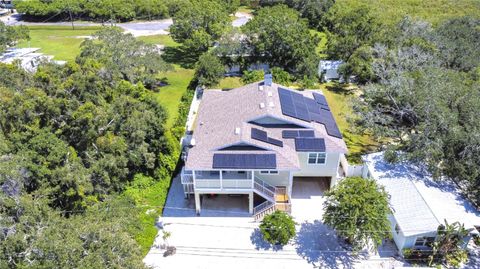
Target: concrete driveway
<point x="225" y="236"/>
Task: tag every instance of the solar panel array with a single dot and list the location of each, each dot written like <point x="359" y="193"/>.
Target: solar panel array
<point x="297" y="133"/>
<point x="310" y="144"/>
<point x="244" y="161"/>
<point x="260" y="135"/>
<point x="298" y="106"/>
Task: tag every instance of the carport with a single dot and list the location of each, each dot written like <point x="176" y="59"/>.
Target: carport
<point x="306" y="187"/>
<point x="307" y="197"/>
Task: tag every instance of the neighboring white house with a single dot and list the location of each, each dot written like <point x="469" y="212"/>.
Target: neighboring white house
<point x="29" y="58"/>
<point x="328" y="70"/>
<point x="257" y="139"/>
<point x="419" y="204"/>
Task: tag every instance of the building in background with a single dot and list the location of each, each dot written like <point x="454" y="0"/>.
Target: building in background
<point x="28" y="58"/>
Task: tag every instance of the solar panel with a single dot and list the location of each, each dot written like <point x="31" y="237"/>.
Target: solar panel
<point x="298" y="106"/>
<point x="244" y="161"/>
<point x="289" y="134"/>
<point x="302" y="113"/>
<point x="259" y="135"/>
<point x="306" y="133"/>
<point x="262" y="136"/>
<point x="320" y="99"/>
<point x="275" y="142"/>
<point x="299" y="133"/>
<point x="324" y="107"/>
<point x="309" y="144"/>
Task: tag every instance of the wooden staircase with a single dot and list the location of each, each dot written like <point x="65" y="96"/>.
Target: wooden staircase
<point x="281" y="203"/>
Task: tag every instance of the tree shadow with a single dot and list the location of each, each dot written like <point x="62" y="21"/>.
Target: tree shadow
<point x="260" y="244"/>
<point x="319" y="245"/>
<point x="340" y="88"/>
<point x="180" y="56"/>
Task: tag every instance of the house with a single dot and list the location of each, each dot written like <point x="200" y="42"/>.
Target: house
<point x="8" y="4"/>
<point x="328" y="70"/>
<point x="419" y="204"/>
<point x="256" y="140"/>
<point x="29" y="58"/>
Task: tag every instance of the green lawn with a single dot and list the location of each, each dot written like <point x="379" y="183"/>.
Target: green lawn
<point x="229" y="83"/>
<point x="434" y="11"/>
<point x="339" y="101"/>
<point x="165" y="40"/>
<point x="169" y="96"/>
<point x="59" y="41"/>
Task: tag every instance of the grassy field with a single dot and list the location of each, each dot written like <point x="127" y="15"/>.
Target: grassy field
<point x="59" y="41"/>
<point x="165" y="40"/>
<point x="169" y="96"/>
<point x="339" y="101"/>
<point x="434" y="11"/>
<point x="229" y="83"/>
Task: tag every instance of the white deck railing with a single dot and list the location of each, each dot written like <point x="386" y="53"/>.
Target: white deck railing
<point x="262" y="207"/>
<point x="186" y="176"/>
<point x="264" y="189"/>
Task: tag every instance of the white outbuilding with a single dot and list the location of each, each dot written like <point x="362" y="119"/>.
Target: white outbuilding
<point x="419" y="203"/>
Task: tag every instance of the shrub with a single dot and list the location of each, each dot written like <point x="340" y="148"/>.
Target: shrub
<point x="278" y="228"/>
<point x="252" y="76"/>
<point x="281" y="76"/>
<point x="416" y="256"/>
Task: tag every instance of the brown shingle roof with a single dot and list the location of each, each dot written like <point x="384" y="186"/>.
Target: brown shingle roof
<point x="221" y="112"/>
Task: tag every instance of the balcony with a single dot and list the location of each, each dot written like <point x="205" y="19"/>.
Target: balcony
<point x="219" y="180"/>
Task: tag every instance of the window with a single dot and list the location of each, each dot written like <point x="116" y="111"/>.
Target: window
<point x="317" y="158"/>
<point x="424" y="241"/>
<point x="273" y="172"/>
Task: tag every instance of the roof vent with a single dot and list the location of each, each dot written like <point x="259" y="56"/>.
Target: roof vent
<point x="260" y="87"/>
<point x="262" y="105"/>
<point x="271" y="104"/>
<point x="268" y="79"/>
<point x="193" y="142"/>
<point x="270" y="94"/>
<point x="237" y="131"/>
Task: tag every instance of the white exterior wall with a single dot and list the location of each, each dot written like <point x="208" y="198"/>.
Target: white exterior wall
<point x="403" y="241"/>
<point x="399" y="238"/>
<point x="280" y="179"/>
<point x="329" y="169"/>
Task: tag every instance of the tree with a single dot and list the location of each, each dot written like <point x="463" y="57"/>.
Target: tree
<point x="209" y="70"/>
<point x="457" y="41"/>
<point x="9" y="35"/>
<point x="448" y="244"/>
<point x="151" y="9"/>
<point x="358" y="208"/>
<point x="348" y="30"/>
<point x="277" y="228"/>
<point x="124" y="57"/>
<point x="312" y="10"/>
<point x="279" y="37"/>
<point x="197" y="24"/>
<point x="360" y="65"/>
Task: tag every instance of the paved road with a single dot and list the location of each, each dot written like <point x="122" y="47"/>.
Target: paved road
<point x="137" y="28"/>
